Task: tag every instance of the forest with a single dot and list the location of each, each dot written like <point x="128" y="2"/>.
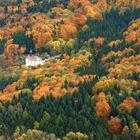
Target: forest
<point x="92" y="92"/>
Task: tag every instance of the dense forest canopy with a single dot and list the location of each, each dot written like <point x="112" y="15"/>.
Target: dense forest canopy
<point x="92" y="91"/>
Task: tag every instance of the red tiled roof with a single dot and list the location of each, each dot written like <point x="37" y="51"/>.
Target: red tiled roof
<point x="33" y="58"/>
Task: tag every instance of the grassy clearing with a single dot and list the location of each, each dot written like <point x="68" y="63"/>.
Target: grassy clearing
<point x="13" y="71"/>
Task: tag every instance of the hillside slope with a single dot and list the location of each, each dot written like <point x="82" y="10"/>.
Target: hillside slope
<point x="92" y="91"/>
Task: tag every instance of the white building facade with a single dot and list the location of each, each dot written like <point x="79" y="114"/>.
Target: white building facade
<point x="32" y="60"/>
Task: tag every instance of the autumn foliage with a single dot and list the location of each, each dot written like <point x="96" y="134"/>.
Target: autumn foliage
<point x="102" y="107"/>
<point x="115" y="125"/>
<point x="128" y="105"/>
<point x="88" y="86"/>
